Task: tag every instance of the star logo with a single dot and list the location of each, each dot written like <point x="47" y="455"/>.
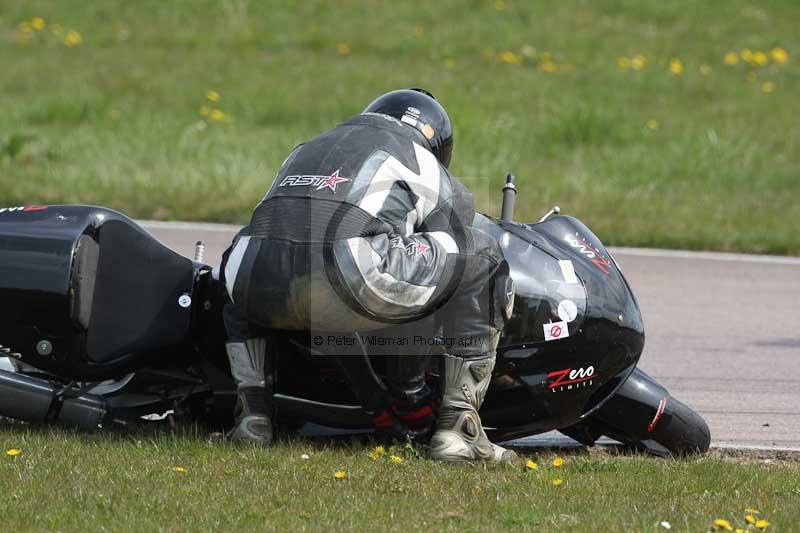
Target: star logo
<point x="331" y="182"/>
<point x="414" y="249"/>
<point x="420" y="250"/>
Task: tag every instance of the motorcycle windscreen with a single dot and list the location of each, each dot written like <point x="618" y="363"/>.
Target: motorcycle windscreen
<point x="550" y="299"/>
<point x="549" y="302"/>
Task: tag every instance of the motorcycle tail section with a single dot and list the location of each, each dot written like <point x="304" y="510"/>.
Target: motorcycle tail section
<point x="87" y="293"/>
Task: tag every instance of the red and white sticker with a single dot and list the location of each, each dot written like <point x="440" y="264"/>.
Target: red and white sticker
<point x="555" y="331"/>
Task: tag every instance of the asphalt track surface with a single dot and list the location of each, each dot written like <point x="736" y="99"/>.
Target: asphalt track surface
<point x="723" y="333"/>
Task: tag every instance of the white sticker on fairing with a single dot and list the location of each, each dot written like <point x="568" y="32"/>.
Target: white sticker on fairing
<point x="555" y="331"/>
<point x="567" y="310"/>
<point x="568" y="271"/>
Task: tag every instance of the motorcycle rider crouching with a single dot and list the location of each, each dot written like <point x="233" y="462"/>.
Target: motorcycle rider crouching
<point x="364" y="227"/>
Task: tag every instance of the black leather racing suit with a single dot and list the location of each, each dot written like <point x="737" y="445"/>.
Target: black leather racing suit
<point x="362" y="228"/>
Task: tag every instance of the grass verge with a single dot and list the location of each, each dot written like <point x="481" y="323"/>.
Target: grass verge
<point x="153" y="479"/>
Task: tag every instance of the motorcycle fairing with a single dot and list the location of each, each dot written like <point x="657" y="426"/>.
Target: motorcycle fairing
<point x="605" y="340"/>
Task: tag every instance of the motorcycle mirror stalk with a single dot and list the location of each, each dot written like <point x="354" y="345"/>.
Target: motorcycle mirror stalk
<point x="553" y="211"/>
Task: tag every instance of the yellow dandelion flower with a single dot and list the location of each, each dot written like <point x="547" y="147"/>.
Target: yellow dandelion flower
<point x="750" y="519"/>
<point x="739" y="530"/>
<point x="218" y="116"/>
<point x="752" y="511"/>
<point x="213" y="96"/>
<point x="731" y="58"/>
<point x="340" y="474"/>
<point x="760" y="58"/>
<point x="13" y="452"/>
<point x="652" y="124"/>
<point x="205" y="110"/>
<point x="179" y="469"/>
<point x="767" y="87"/>
<point x="396" y="459"/>
<point x="558" y="461"/>
<point x="747" y="55"/>
<point x="623" y="63"/>
<point x="779" y="55"/>
<point x="548" y="66"/>
<point x="705" y="70"/>
<point x="510" y="57"/>
<point x="499" y="5"/>
<point x="675" y="66"/>
<point x="72" y="38"/>
<point x="557" y="482"/>
<point x="531" y="465"/>
<point x="762" y="524"/>
<point x="638" y="62"/>
<point x="723" y="524"/>
<point x="343" y="48"/>
<point x="38" y="23"/>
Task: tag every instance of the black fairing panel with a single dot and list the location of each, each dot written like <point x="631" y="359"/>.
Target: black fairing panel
<point x="92" y="282"/>
<point x="539" y="385"/>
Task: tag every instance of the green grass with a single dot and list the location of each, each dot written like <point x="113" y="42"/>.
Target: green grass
<point x="64" y="481"/>
<point x="115" y="120"/>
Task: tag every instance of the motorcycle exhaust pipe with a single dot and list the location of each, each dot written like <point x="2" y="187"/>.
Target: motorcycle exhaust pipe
<point x="42" y="402"/>
<point x="509" y="197"/>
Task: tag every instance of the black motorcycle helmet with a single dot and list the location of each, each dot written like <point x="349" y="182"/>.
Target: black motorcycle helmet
<point x="419" y="109"/>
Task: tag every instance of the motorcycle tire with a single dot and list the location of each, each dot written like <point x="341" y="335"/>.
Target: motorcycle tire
<point x="682" y="432"/>
<point x="685" y="432"/>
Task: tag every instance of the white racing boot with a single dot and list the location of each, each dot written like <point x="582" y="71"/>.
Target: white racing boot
<point x="254" y="391"/>
<point x="459" y="433"/>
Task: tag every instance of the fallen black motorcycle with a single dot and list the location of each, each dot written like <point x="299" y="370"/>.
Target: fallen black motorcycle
<point x="101" y="323"/>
